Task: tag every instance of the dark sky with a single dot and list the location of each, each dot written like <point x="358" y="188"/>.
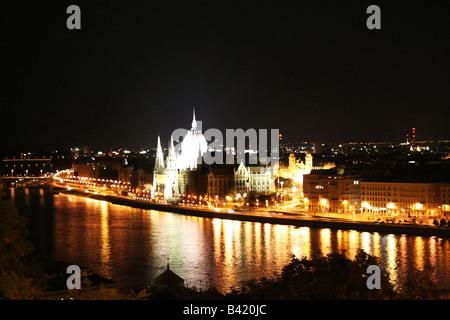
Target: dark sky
<point x="136" y="68"/>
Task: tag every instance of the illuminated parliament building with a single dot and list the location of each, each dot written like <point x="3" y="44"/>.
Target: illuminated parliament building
<point x="180" y="171"/>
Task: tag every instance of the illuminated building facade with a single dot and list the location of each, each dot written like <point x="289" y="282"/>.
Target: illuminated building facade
<point x="445" y="199"/>
<point x="296" y="169"/>
<point x="254" y="178"/>
<point x="193" y="147"/>
<point x="405" y="199"/>
<point x="220" y="181"/>
<point x="165" y="173"/>
<point x="327" y="192"/>
<point x="176" y="175"/>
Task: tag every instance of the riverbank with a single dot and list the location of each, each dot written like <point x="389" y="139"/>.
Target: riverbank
<point x="272" y="218"/>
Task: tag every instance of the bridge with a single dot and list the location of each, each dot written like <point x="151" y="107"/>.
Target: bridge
<point x="29" y="180"/>
<point x="9" y="181"/>
<point x="25" y="168"/>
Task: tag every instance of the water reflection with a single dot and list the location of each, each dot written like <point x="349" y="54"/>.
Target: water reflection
<point x="133" y="246"/>
<point x="366" y="239"/>
<point x="419" y="247"/>
<point x="105" y="239"/>
<point x="391" y="256"/>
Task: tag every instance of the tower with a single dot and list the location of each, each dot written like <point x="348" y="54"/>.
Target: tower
<point x="171" y="187"/>
<point x="158" y="169"/>
<point x="194" y="121"/>
<point x="193" y="145"/>
<point x="308" y="163"/>
<point x="292" y="161"/>
<point x="159" y="161"/>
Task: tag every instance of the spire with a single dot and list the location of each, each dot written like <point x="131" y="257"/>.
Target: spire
<point x="171" y="155"/>
<point x="171" y="142"/>
<point x="159" y="161"/>
<point x="194" y="122"/>
<point x="158" y="147"/>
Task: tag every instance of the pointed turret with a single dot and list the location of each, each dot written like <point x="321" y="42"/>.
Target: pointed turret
<point x="171" y="142"/>
<point x="171" y="186"/>
<point x="194" y="122"/>
<point x="171" y="156"/>
<point x="159" y="161"/>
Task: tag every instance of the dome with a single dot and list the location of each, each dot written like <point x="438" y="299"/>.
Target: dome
<point x="193" y="145"/>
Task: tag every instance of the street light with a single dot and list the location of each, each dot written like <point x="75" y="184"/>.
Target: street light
<point x="344" y="202"/>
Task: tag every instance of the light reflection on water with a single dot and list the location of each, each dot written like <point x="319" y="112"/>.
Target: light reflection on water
<point x="133" y="246"/>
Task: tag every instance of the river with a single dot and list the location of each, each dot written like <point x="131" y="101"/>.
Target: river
<point x="132" y="246"/>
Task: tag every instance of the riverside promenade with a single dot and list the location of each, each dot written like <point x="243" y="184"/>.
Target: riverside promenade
<point x="332" y="221"/>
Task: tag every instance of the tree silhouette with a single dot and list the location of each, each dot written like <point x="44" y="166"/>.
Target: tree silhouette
<point x="17" y="278"/>
<point x="333" y="276"/>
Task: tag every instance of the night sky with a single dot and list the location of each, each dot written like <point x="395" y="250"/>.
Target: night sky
<point x="136" y="68"/>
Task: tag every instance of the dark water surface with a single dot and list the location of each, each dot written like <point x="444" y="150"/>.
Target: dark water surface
<point x="132" y="246"/>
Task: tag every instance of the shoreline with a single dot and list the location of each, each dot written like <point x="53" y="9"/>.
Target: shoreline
<point x="263" y="217"/>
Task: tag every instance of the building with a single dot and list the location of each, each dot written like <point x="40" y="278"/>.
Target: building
<point x="177" y="174"/>
<point x="445" y="199"/>
<point x="254" y="178"/>
<point x="141" y="179"/>
<point x="296" y="169"/>
<point x="220" y="181"/>
<point x="419" y="199"/>
<point x="87" y="169"/>
<point x="193" y="147"/>
<point x="102" y="169"/>
<point x="183" y="172"/>
<point x="168" y="280"/>
<point x="165" y="173"/>
<point x="328" y="191"/>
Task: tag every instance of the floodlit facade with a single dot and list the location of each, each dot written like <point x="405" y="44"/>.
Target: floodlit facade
<point x="220" y="181"/>
<point x="325" y="192"/>
<point x="172" y="175"/>
<point x="193" y="147"/>
<point x="297" y="169"/>
<point x="404" y="199"/>
<point x="445" y="199"/>
<point x="254" y="178"/>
